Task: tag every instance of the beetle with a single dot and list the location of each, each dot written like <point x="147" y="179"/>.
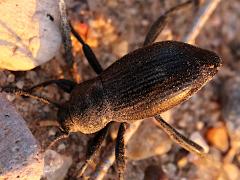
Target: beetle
<point x="141" y="84"/>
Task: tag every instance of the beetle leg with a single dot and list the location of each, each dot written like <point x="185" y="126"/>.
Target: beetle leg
<point x="94" y="147"/>
<point x="88" y="52"/>
<point x="179" y="138"/>
<point x="120" y="150"/>
<point x="65" y="85"/>
<point x="161" y="22"/>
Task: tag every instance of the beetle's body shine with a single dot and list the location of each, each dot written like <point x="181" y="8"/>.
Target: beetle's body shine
<point x="142" y="84"/>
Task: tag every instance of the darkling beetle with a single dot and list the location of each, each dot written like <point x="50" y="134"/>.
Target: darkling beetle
<point x="141" y="84"/>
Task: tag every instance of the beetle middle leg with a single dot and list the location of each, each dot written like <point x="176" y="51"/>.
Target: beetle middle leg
<point x="94" y="146"/>
<point x="120" y="150"/>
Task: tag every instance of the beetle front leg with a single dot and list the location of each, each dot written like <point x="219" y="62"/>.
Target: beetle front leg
<point x="161" y="22"/>
<point x="20" y="92"/>
<point x="64" y="84"/>
<point x="120" y="150"/>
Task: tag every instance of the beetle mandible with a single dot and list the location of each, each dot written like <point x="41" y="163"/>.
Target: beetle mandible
<point x="141" y="84"/>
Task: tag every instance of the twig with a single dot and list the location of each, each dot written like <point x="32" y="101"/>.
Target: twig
<point x="66" y="30"/>
<point x="202" y="16"/>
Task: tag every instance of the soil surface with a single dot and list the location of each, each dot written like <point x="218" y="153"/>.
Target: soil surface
<point x="113" y="28"/>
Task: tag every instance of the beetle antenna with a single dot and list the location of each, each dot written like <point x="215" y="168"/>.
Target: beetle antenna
<point x="21" y="92"/>
<point x="183" y="141"/>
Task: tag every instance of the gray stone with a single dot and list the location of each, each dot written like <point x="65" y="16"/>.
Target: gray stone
<point x="20" y="155"/>
<point x="56" y="166"/>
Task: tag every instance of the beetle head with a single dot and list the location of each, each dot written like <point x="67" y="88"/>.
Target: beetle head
<point x="64" y="119"/>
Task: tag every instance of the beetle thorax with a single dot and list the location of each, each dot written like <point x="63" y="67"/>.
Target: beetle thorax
<point x="87" y="110"/>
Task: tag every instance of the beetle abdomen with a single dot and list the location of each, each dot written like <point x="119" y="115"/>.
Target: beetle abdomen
<point x="155" y="78"/>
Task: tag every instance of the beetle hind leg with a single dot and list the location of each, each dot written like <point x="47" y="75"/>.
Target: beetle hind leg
<point x="161" y="22"/>
<point x="179" y="138"/>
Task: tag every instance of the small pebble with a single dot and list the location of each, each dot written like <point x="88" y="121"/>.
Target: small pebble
<point x="145" y="22"/>
<point x="31" y="75"/>
<point x="199" y="125"/>
<point x="170" y="169"/>
<point x="121" y="48"/>
<point x="218" y="137"/>
<point x="112" y="3"/>
<point x="20" y="84"/>
<point x="52" y="132"/>
<point x="156" y="142"/>
<point x="182" y="162"/>
<point x="61" y="147"/>
<point x="46" y="109"/>
<point x="154" y="172"/>
<point x="11" y="78"/>
<point x="55" y="165"/>
<point x="10" y="97"/>
<point x="232" y="171"/>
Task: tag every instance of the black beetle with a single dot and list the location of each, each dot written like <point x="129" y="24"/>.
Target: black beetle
<point x="142" y="84"/>
<point x="145" y="82"/>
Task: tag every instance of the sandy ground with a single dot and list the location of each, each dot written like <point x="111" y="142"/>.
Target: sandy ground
<point x="114" y="28"/>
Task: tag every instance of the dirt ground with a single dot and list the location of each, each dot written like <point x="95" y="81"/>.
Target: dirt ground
<point x="116" y="27"/>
